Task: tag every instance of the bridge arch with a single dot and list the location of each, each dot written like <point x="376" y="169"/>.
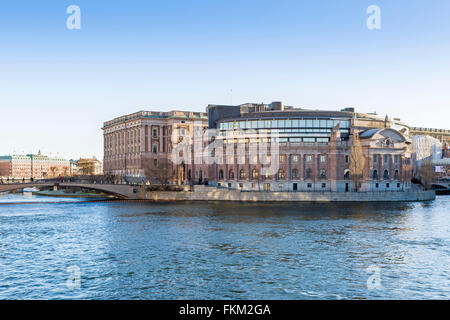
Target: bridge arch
<point x="121" y="191"/>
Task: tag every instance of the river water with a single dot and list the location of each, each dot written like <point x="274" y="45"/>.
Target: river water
<point x="217" y="250"/>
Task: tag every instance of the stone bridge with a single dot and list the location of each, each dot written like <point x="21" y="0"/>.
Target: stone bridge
<point x="120" y="190"/>
<point x="443" y="185"/>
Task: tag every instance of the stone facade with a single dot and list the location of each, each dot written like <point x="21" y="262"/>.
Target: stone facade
<point x="146" y="139"/>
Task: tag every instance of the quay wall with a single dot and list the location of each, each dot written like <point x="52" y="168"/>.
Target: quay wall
<point x="235" y="195"/>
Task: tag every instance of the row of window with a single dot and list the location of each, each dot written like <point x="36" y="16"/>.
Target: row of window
<point x="386" y="158"/>
<point x="282" y="158"/>
<point x="281" y="174"/>
<point x="386" y="175"/>
<point x="280" y="186"/>
<point x="280" y="140"/>
<point x="284" y="123"/>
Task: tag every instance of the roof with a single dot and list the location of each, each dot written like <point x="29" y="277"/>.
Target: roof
<point x="369" y="133"/>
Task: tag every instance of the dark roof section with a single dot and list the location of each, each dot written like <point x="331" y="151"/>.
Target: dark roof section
<point x="366" y="134"/>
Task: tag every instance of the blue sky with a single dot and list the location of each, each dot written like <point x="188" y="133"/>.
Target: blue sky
<point x="58" y="86"/>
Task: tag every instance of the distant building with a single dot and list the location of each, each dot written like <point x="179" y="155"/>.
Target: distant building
<point x="35" y="166"/>
<point x="425" y="147"/>
<point x="15" y="166"/>
<point x="443" y="135"/>
<point x="86" y="166"/>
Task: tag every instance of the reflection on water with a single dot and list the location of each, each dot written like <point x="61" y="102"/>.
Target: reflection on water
<point x="29" y="197"/>
<point x="201" y="250"/>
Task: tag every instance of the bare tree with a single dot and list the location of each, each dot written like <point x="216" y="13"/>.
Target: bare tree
<point x="86" y="168"/>
<point x="53" y="171"/>
<point x="357" y="162"/>
<point x="157" y="173"/>
<point x="426" y="174"/>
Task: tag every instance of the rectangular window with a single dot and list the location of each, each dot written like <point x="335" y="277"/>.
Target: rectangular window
<point x="308" y="158"/>
<point x="323" y="158"/>
<point x="281" y="158"/>
<point x="324" y="185"/>
<point x="294" y="186"/>
<point x="309" y="185"/>
<point x="294" y="158"/>
<point x="375" y="158"/>
<point x="397" y="158"/>
<point x="376" y="185"/>
<point x="346" y="159"/>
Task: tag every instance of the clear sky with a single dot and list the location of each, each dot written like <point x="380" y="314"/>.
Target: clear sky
<point x="58" y="86"/>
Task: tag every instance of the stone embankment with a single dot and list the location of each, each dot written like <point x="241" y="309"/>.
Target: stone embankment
<point x="205" y="193"/>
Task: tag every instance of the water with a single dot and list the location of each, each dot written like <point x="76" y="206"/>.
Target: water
<point x="199" y="250"/>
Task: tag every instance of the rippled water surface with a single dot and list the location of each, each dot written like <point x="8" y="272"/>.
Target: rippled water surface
<point x="199" y="250"/>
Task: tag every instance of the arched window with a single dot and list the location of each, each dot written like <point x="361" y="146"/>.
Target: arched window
<point x="231" y="174"/>
<point x="386" y="175"/>
<point x="281" y="174"/>
<point x="396" y="175"/>
<point x="308" y="173"/>
<point x="294" y="174"/>
<point x="323" y="174"/>
<point x="254" y="174"/>
<point x="220" y="174"/>
<point x="375" y="175"/>
<point x="242" y="174"/>
<point x="346" y="174"/>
